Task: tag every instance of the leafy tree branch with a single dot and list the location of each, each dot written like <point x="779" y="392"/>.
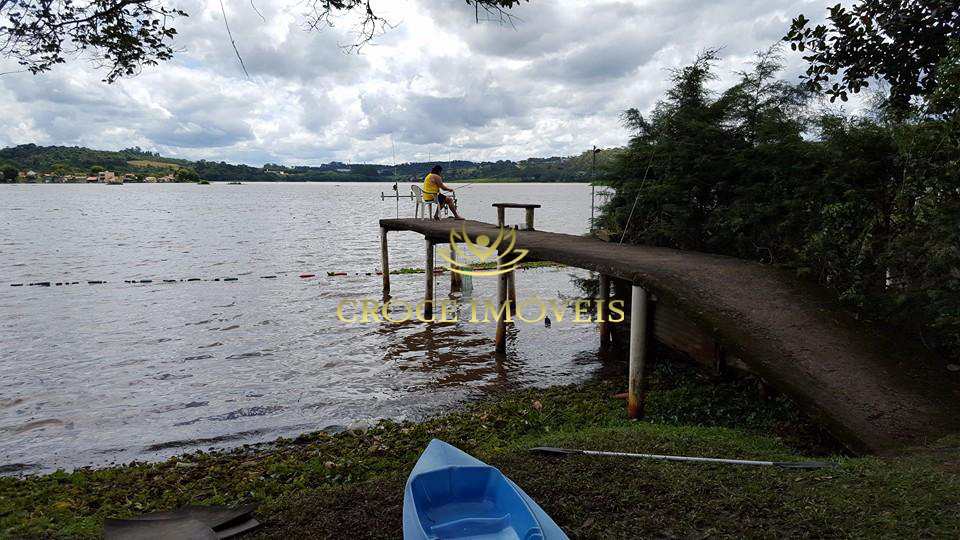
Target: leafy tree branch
<point x="123" y="36"/>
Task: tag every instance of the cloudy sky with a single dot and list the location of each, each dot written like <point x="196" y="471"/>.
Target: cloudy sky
<point x="438" y="85"/>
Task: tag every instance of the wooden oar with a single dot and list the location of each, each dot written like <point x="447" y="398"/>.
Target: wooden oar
<point x="782" y="464"/>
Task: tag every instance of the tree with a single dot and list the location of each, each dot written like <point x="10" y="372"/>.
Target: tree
<point x="868" y="206"/>
<point x="185" y="174"/>
<point x="124" y="35"/>
<point x="946" y="97"/>
<point x="96" y="169"/>
<point x="899" y="42"/>
<point x="9" y="173"/>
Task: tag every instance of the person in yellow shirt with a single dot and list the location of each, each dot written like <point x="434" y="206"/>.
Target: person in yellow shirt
<point x="432" y="187"/>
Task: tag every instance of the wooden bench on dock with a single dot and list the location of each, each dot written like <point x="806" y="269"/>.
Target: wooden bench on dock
<point x="502" y="207"/>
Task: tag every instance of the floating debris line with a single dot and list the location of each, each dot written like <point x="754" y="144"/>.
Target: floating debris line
<point x="537" y="264"/>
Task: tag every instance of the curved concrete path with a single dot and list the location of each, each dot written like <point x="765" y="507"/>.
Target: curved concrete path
<point x="872" y="390"/>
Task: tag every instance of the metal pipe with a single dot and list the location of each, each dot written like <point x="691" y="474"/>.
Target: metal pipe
<point x="639" y="309"/>
<point x="782" y="464"/>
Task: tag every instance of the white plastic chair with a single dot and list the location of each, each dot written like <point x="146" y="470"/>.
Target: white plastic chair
<point x="424" y="209"/>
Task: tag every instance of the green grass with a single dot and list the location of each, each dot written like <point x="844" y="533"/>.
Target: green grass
<point x="322" y="485"/>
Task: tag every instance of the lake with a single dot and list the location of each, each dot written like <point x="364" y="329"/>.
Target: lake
<point x="114" y="372"/>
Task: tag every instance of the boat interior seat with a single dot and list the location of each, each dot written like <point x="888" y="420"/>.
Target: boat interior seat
<point x="472" y="502"/>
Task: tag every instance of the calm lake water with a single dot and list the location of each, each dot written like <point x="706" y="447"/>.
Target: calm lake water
<point x="94" y="374"/>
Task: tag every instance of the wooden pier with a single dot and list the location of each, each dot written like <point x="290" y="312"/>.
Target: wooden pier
<point x="873" y="392"/>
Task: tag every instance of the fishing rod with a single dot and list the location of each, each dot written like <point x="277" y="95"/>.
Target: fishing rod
<point x="396" y="182"/>
<point x="547" y="450"/>
<point x="626" y="226"/>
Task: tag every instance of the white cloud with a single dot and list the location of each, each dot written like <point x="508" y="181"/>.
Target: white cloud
<point x="438" y="84"/>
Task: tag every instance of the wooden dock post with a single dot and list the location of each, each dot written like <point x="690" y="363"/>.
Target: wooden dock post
<point x="502" y="285"/>
<point x="501" y="216"/>
<point x="384" y="263"/>
<point x="603" y="308"/>
<point x="456" y="279"/>
<point x="512" y="289"/>
<point x="530" y="218"/>
<point x="428" y="273"/>
<point x="639" y="347"/>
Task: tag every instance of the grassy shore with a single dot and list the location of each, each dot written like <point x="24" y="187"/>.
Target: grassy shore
<point x="332" y="486"/>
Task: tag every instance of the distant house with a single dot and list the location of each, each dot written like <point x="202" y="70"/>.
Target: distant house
<point x="92" y="179"/>
<point x="150" y="179"/>
<point x="108" y="177"/>
<point x="166" y="179"/>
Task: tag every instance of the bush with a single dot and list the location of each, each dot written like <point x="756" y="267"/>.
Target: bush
<point x="185" y="174"/>
<point x="9" y="173"/>
<point x="869" y="206"/>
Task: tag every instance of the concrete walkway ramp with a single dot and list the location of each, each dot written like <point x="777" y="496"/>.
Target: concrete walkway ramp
<point x="872" y="389"/>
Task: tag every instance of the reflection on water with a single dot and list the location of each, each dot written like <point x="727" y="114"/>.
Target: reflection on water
<point x="91" y="374"/>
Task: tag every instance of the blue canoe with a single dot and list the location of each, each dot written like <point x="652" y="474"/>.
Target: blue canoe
<point x="451" y="494"/>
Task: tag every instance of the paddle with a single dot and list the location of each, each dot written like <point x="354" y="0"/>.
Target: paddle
<point x="782" y="464"/>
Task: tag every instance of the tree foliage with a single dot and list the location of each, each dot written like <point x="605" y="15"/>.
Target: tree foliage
<point x="900" y="42"/>
<point x="120" y="35"/>
<point x="869" y="205"/>
<point x="185" y="174"/>
<point x="9" y="173"/>
<point x="123" y="36"/>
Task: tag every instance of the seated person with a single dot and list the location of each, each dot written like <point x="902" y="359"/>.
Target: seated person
<point x="432" y="185"/>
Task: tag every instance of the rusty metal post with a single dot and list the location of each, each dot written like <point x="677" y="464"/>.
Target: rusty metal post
<point x="639" y="347"/>
<point x="602" y="309"/>
<point x="384" y="263"/>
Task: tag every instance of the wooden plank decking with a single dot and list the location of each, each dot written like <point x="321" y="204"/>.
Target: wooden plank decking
<point x="873" y="391"/>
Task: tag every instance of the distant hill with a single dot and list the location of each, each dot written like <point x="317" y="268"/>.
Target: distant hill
<point x="79" y="160"/>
